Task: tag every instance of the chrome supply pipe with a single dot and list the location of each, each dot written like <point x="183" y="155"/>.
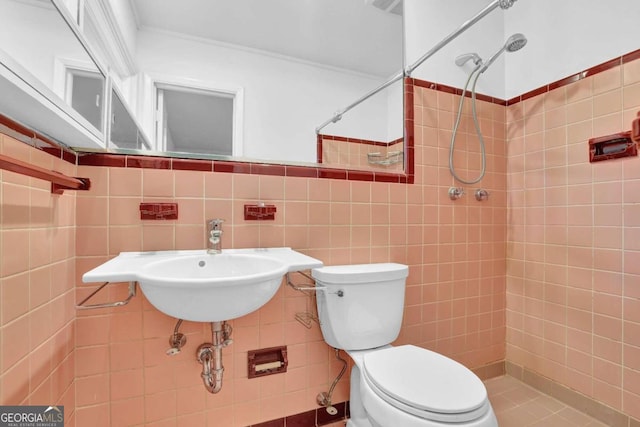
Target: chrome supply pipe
<point x="504" y="4"/>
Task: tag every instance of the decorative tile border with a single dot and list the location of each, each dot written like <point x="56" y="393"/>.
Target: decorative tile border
<point x="616" y="62"/>
<point x="322" y="137"/>
<point x="456" y="91"/>
<point x="619" y="61"/>
<point x="38" y="141"/>
<point x="34" y="139"/>
<point x="320" y="417"/>
<point x="592" y="407"/>
<point x="408" y="177"/>
<point x="148" y="162"/>
<point x="315" y="417"/>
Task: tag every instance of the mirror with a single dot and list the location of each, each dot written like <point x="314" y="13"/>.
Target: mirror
<point x="285" y="70"/>
<point x="287" y="66"/>
<point x="47" y="57"/>
<point x="124" y="132"/>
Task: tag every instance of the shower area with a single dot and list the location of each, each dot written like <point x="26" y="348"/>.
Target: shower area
<point x="541" y="268"/>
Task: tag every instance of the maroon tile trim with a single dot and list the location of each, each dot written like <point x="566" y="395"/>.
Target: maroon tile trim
<point x="631" y="56"/>
<point x="17" y="127"/>
<point x="39" y="141"/>
<point x="423" y="83"/>
<point x="456" y="91"/>
<point x="387" y="177"/>
<point x="304" y="419"/>
<point x="601" y="67"/>
<point x="355" y="175"/>
<point x="148" y="162"/>
<point x="54" y="151"/>
<point x="151" y="162"/>
<point x="563" y="82"/>
<point x="448" y="89"/>
<point x="192" y="165"/>
<point x="354" y="140"/>
<point x="267" y="169"/>
<point x="332" y="173"/>
<point x="102" y="159"/>
<point x="409" y="104"/>
<point x="409" y="131"/>
<point x="527" y="95"/>
<point x="70" y="156"/>
<point x="231" y="167"/>
<point x="274" y="423"/>
<point x="596" y="69"/>
<point x="302" y="171"/>
<point x="312" y="418"/>
<point x="318" y="148"/>
<point x="323" y="417"/>
<point x="116" y="160"/>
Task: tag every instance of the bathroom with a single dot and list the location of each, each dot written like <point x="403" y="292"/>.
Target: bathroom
<point x="537" y="281"/>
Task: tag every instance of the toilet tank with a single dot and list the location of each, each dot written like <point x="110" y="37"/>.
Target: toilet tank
<point x="360" y="305"/>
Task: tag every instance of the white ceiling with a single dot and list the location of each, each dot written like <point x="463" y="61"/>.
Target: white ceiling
<point x="348" y="34"/>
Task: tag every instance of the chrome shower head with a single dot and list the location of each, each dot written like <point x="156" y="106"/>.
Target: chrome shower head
<point x="463" y="59"/>
<point x="513" y="43"/>
<point x="506" y="4"/>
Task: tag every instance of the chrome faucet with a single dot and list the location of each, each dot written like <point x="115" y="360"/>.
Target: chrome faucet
<point x="214" y="236"/>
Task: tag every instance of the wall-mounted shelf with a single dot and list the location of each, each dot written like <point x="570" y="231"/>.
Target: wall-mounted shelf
<point x="59" y="182"/>
<point x="390" y="158"/>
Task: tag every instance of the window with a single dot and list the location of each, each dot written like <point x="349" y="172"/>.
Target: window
<point x="84" y="93"/>
<point x="199" y="121"/>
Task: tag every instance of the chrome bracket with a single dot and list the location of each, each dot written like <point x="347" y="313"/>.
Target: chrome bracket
<point x="132" y="293"/>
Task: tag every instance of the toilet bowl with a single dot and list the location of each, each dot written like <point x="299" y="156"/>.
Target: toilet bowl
<point x="360" y="311"/>
<point x="410" y="386"/>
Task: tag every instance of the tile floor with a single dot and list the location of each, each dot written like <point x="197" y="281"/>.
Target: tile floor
<point x="518" y="405"/>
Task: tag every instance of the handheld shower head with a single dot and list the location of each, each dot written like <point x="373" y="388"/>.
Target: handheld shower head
<point x="463" y="59"/>
<point x="513" y="43"/>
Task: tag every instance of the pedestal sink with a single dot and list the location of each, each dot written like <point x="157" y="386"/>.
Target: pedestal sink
<point x="201" y="287"/>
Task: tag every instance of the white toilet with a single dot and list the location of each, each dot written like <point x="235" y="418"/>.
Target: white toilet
<point x="360" y="309"/>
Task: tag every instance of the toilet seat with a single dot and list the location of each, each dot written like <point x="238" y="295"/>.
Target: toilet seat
<point x="425" y="384"/>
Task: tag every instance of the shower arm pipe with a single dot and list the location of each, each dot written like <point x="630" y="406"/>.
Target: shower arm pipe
<point x="338" y="115"/>
<point x="489" y="8"/>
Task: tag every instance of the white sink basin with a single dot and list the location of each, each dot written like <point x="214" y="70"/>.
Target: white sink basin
<point x="196" y="286"/>
<point x="210" y="288"/>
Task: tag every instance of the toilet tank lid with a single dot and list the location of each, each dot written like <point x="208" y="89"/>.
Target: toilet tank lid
<point x="360" y="273"/>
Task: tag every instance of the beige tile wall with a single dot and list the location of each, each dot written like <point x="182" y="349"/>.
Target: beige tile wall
<point x="573" y="260"/>
<point x="455" y="300"/>
<point x="37" y="270"/>
<point x="354" y="155"/>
